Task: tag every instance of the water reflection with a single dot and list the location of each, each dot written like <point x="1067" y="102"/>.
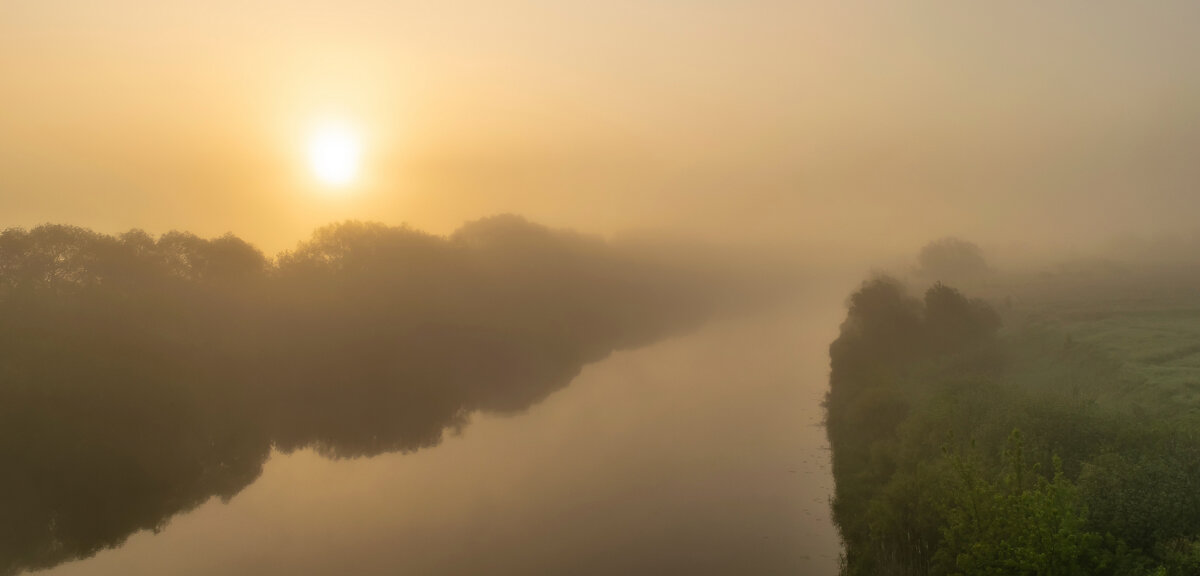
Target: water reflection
<point x="701" y="454"/>
<point x="142" y="377"/>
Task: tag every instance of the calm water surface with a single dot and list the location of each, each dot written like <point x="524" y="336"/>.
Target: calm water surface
<point x="701" y="454"/>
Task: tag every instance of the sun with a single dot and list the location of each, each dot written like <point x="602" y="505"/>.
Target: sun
<point x="335" y="154"/>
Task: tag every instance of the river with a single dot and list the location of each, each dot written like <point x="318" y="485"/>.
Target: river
<point x="701" y="454"/>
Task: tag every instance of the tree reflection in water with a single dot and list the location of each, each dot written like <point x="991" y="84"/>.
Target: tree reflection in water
<point x="140" y="377"/>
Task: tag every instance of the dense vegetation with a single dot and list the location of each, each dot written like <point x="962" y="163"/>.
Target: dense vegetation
<point x="141" y="376"/>
<point x="1055" y="445"/>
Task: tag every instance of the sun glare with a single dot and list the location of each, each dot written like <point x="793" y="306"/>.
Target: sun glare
<point x="334" y="154"/>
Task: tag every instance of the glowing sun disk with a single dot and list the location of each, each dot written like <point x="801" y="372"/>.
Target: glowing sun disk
<point x="334" y="154"/>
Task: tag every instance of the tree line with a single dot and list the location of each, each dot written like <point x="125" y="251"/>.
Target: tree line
<point x="141" y="376"/>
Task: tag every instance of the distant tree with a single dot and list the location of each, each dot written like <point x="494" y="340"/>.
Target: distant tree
<point x="952" y="260"/>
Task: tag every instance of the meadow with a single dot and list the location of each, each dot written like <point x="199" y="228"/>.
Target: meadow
<point x="1152" y="346"/>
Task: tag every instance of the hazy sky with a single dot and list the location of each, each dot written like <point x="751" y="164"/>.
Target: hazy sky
<point x="844" y="123"/>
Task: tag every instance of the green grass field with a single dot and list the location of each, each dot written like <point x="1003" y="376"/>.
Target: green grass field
<point x="1141" y="355"/>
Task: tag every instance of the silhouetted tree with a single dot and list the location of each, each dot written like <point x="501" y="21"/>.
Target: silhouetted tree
<point x="141" y="376"/>
<point x="951" y="260"/>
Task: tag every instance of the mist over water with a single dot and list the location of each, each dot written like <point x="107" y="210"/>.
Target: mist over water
<point x="146" y="376"/>
<point x="567" y="280"/>
<point x="700" y="454"/>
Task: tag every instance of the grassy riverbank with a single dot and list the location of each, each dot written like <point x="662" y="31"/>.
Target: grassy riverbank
<point x="1047" y="437"/>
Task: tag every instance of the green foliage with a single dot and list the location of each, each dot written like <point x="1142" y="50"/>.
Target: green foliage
<point x="1024" y="524"/>
<point x="883" y="502"/>
<point x="932" y="477"/>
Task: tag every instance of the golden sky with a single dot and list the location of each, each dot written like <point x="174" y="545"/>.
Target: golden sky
<point x="846" y="123"/>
